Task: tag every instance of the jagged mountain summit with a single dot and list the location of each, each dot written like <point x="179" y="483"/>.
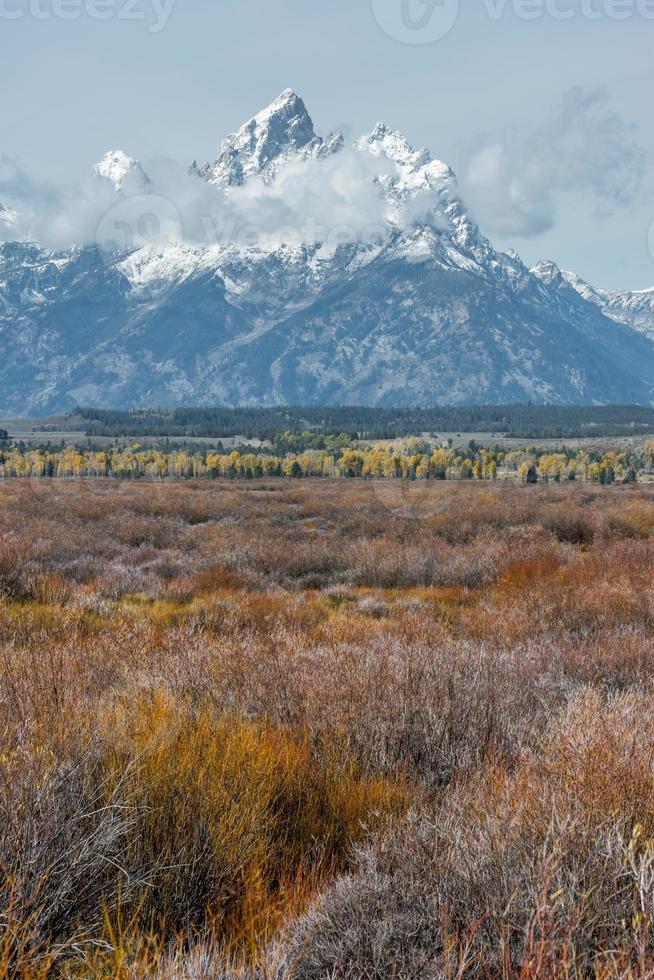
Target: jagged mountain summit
<point x="423" y="311"/>
<point x="282" y="131"/>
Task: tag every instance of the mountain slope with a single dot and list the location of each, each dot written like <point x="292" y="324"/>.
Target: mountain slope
<point x="635" y="309"/>
<point x="426" y="312"/>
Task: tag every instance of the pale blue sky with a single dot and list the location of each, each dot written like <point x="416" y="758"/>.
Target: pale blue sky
<point x="69" y="90"/>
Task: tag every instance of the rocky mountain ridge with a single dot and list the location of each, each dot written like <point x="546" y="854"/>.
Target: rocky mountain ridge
<point x="424" y="311"/>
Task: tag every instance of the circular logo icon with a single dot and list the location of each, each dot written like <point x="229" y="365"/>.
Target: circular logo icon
<point x="416" y="21"/>
<point x="136" y="222"/>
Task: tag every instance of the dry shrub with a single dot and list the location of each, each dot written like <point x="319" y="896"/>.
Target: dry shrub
<point x="177" y="822"/>
<point x="64" y="835"/>
<point x="573" y="525"/>
<point x="14" y="582"/>
<point x="216" y="579"/>
<point x="208" y="689"/>
<point x="633" y="521"/>
<point x="591" y="594"/>
<point x="539" y="871"/>
<point x="238" y="813"/>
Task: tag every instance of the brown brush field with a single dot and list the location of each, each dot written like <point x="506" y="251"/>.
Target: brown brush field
<point x="326" y="729"/>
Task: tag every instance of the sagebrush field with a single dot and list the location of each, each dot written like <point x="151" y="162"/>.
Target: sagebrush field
<point x="326" y="728"/>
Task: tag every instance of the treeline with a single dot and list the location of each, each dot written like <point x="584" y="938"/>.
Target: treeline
<point x="408" y="460"/>
<point x="519" y="421"/>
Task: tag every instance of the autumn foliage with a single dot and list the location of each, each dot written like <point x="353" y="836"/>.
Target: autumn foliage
<point x="326" y="728"/>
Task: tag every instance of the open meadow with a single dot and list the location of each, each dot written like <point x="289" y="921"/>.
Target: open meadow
<point x="321" y="728"/>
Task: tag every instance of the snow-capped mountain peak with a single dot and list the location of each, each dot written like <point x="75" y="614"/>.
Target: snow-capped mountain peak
<point x="290" y="109"/>
<point x="393" y="145"/>
<point x="547" y="271"/>
<point x="279" y="132"/>
<point x="121" y="170"/>
<point x="417" y="183"/>
<point x="427" y="312"/>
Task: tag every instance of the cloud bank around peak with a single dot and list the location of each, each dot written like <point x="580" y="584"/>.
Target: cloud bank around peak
<point x="514" y="184"/>
<point x="337" y="199"/>
<point x="334" y="199"/>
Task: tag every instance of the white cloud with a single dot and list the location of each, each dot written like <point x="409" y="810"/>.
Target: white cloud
<point x="514" y="184"/>
<point x="334" y="200"/>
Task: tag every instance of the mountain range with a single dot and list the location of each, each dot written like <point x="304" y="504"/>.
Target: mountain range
<point x="420" y="310"/>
